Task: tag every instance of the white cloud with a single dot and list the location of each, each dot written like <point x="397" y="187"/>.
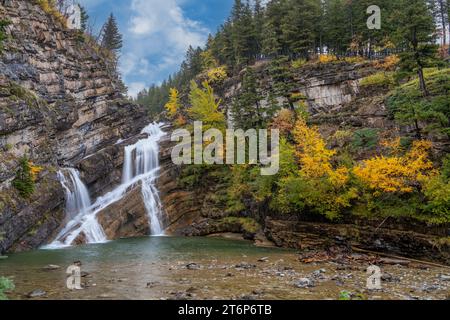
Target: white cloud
<point x="135" y="87"/>
<point x="157" y="38"/>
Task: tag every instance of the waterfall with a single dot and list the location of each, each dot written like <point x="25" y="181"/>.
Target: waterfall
<point x="145" y="168"/>
<point x="141" y="165"/>
<point x="79" y="213"/>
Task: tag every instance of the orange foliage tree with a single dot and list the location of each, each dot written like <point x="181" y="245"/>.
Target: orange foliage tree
<point x="397" y="174"/>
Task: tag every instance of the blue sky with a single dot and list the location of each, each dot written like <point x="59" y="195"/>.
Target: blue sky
<point x="157" y="33"/>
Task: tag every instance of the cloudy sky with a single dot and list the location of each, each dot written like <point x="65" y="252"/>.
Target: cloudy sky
<point x="157" y="33"/>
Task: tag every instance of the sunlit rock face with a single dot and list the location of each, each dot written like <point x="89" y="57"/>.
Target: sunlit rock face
<point x="60" y="104"/>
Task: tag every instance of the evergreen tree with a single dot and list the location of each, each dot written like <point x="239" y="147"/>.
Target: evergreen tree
<point x="242" y="33"/>
<point x="282" y="76"/>
<point x="298" y="27"/>
<point x="258" y="27"/>
<point x="84" y="19"/>
<point x="416" y="33"/>
<point x="111" y="37"/>
<point x="246" y="110"/>
<point x="273" y="44"/>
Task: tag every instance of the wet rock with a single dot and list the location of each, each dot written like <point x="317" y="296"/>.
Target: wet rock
<point x="107" y="296"/>
<point x="444" y="277"/>
<point x="245" y="266"/>
<point x="151" y="285"/>
<point x="193" y="266"/>
<point x="126" y="218"/>
<point x="38" y="293"/>
<point x="180" y="296"/>
<point x="304" y="283"/>
<point x="52" y="267"/>
<point x="319" y="274"/>
<point x="387" y="277"/>
<point x="430" y="288"/>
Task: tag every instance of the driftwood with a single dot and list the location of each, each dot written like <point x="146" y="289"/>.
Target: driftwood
<point x="393" y="259"/>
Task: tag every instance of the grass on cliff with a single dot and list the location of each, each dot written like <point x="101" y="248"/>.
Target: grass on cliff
<point x="428" y="115"/>
<point x="49" y="7"/>
<point x="3" y="36"/>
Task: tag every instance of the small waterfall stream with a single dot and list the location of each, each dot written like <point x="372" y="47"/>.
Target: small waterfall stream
<point x="141" y="165"/>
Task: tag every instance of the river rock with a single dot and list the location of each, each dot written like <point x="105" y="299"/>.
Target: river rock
<point x="444" y="277"/>
<point x="304" y="283"/>
<point x="245" y="266"/>
<point x="52" y="267"/>
<point x="193" y="266"/>
<point x="38" y="293"/>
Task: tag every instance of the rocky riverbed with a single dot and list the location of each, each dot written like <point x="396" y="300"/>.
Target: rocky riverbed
<point x="214" y="268"/>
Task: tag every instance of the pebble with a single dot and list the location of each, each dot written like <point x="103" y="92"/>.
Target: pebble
<point x="444" y="277"/>
<point x="52" y="267"/>
<point x="38" y="293"/>
<point x="304" y="283"/>
<point x="245" y="265"/>
<point x="192" y="266"/>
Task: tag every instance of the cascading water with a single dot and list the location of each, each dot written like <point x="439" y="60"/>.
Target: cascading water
<point x="78" y="211"/>
<point x="145" y="168"/>
<point x="141" y="165"/>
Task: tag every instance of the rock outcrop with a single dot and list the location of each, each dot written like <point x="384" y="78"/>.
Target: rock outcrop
<point x="126" y="218"/>
<point x="61" y="106"/>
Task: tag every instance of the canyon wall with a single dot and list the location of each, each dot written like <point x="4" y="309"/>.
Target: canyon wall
<point x="61" y="105"/>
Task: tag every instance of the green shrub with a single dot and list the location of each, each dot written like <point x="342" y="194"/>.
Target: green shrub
<point x="379" y="79"/>
<point x="437" y="208"/>
<point x="3" y="36"/>
<point x="446" y="168"/>
<point x="24" y="182"/>
<point x="5" y="285"/>
<point x="248" y="224"/>
<point x="365" y="138"/>
<point x="297" y="64"/>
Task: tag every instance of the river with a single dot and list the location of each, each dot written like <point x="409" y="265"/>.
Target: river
<point x="206" y="268"/>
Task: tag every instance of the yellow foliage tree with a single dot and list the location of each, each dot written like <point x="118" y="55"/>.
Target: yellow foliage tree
<point x="217" y="75"/>
<point x="397" y="174"/>
<point x="315" y="158"/>
<point x="320" y="187"/>
<point x="205" y="106"/>
<point x="173" y="105"/>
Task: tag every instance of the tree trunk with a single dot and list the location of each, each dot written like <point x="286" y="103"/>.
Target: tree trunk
<point x="423" y="85"/>
<point x="444" y="26"/>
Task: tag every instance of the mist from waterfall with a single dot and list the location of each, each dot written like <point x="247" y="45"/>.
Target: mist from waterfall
<point x="141" y="166"/>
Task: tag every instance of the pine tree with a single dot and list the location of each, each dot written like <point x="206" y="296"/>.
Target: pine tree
<point x="258" y="27"/>
<point x="416" y="33"/>
<point x="298" y="27"/>
<point x="242" y="33"/>
<point x="273" y="44"/>
<point x="111" y="37"/>
<point x="84" y="19"/>
<point x="282" y="76"/>
<point x="246" y="110"/>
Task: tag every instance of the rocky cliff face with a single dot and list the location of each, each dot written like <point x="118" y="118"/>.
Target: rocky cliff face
<point x="336" y="102"/>
<point x="60" y="105"/>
